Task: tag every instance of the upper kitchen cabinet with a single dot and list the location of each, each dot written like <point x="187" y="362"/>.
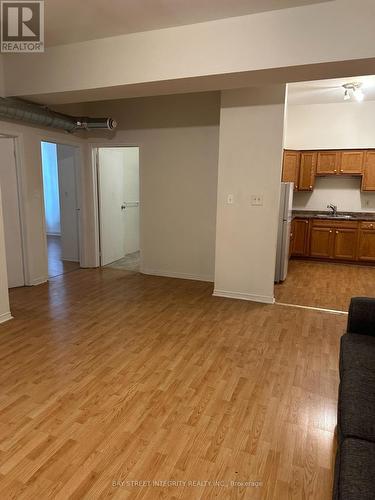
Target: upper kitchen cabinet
<point x="368" y="179"/>
<point x="291" y="163"/>
<point x="301" y="167"/>
<point x="307" y="171"/>
<point x="352" y="162"/>
<point x="327" y="162"/>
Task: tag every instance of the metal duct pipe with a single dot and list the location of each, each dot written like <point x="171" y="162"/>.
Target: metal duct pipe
<point x="17" y="109"/>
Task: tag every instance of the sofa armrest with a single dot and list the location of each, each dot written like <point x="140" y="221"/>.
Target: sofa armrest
<point x="361" y="317"/>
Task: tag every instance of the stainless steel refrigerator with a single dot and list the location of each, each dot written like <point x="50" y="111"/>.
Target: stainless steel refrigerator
<point x="284" y="229"/>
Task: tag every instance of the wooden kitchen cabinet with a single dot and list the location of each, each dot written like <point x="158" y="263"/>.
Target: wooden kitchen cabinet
<point x="300" y="231"/>
<point x="327" y="162"/>
<point x="307" y="170"/>
<point x="368" y="179"/>
<point x="351" y="162"/>
<point x="291" y="163"/>
<point x="332" y="239"/>
<point x="321" y="242"/>
<point x="366" y="243"/>
<point x="301" y="167"/>
<point x="345" y="243"/>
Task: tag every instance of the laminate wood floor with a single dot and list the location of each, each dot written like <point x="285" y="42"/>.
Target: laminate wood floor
<point x="109" y="377"/>
<point x="56" y="265"/>
<point x="325" y="285"/>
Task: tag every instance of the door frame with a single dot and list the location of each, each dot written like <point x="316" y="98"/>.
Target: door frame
<point x="17" y="144"/>
<point x="78" y="162"/>
<point x="94" y="147"/>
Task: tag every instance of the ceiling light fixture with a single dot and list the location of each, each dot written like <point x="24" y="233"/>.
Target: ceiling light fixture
<point x="353" y="89"/>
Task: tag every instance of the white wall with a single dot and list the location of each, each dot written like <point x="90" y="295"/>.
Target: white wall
<point x="309" y="36"/>
<point x="178" y="140"/>
<point x="333" y="126"/>
<point x="4" y="299"/>
<point x="345" y="192"/>
<point x="251" y="140"/>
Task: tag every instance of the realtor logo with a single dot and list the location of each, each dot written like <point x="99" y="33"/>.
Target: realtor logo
<point x="22" y="26"/>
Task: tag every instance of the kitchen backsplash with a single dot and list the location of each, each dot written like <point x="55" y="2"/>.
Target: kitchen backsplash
<point x="345" y="192"/>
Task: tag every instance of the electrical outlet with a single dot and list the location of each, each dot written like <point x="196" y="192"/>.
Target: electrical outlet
<point x="256" y="200"/>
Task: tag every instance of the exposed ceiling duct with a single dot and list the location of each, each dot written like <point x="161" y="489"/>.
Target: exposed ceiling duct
<point x="17" y="109"/>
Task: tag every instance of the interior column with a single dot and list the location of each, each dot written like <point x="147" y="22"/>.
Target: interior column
<point x="250" y="158"/>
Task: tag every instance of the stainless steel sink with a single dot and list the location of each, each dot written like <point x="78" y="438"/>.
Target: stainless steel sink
<point x="338" y="217"/>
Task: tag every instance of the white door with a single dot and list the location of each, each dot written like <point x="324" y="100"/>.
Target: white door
<point x="69" y="203"/>
<point x="112" y="199"/>
<point x="11" y="213"/>
<point x="131" y="178"/>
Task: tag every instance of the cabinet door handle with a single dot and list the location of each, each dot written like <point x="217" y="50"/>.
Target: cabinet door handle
<point x="306" y="221"/>
<point x="330" y="230"/>
<point x="337" y="232"/>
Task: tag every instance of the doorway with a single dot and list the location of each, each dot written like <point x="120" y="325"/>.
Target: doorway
<point x="9" y="185"/>
<point x="119" y="207"/>
<point x="60" y="170"/>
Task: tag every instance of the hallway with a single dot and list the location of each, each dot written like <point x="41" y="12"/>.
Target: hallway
<point x="56" y="265"/>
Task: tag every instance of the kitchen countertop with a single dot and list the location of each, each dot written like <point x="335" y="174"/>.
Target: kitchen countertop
<point x="310" y="214"/>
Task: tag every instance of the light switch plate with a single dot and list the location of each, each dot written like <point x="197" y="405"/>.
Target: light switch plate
<point x="230" y="199"/>
<point x="256" y="200"/>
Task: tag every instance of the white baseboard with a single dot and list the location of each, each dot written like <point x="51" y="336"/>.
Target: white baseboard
<point x="264" y="299"/>
<point x="5" y="317"/>
<point x="37" y="281"/>
<point x="184" y="276"/>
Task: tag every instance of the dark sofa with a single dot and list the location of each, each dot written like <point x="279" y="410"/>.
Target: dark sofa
<point x="355" y="458"/>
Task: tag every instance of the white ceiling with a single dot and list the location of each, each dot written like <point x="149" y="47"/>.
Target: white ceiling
<point x="68" y="21"/>
<point x="328" y="91"/>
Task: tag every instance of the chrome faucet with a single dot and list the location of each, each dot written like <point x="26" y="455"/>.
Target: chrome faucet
<point x="333" y="208"/>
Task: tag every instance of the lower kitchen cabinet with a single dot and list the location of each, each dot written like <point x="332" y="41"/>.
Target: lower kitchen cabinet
<point x="331" y="239"/>
<point x="321" y="242"/>
<point x="366" y="244"/>
<point x="334" y="239"/>
<point x="300" y="236"/>
<point x="345" y="244"/>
